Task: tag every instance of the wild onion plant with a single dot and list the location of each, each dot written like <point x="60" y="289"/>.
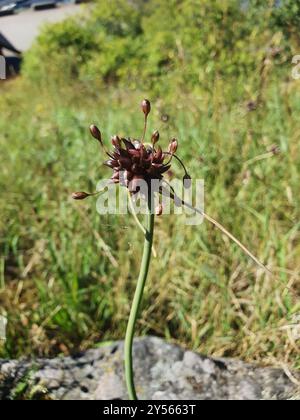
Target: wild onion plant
<point x="133" y="161"/>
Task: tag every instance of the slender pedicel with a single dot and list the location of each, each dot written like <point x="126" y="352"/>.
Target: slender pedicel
<point x="179" y="160"/>
<point x="146" y="108"/>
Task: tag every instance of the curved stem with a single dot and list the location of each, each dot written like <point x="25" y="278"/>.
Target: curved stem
<point x="137" y="301"/>
<point x="178" y="159"/>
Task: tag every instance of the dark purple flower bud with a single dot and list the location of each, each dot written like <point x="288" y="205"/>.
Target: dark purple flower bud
<point x="80" y="195"/>
<point x="116" y="141"/>
<point x="125" y="162"/>
<point x="146" y="107"/>
<point x="96" y="133"/>
<point x="158" y="156"/>
<point x="134" y="153"/>
<point x="155" y="137"/>
<point x="173" y="146"/>
<point x="128" y="144"/>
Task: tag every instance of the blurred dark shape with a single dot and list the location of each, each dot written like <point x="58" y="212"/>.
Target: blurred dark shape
<point x="165" y="118"/>
<point x="275" y="51"/>
<point x="9" y="7"/>
<point x="78" y="1"/>
<point x="13" y="63"/>
<point x="275" y="149"/>
<point x="252" y="106"/>
<point x="13" y="66"/>
<point x="5" y="44"/>
<point x="43" y="4"/>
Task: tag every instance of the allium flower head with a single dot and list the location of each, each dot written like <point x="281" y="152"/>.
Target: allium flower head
<point x="133" y="160"/>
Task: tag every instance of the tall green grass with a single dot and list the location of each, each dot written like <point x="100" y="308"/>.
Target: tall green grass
<point x="68" y="275"/>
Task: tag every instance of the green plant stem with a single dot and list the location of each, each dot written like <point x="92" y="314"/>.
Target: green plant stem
<point x="137" y="302"/>
<point x="139" y="224"/>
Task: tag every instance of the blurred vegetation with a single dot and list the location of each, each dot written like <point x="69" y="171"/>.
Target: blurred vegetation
<point x="222" y="75"/>
<point x="162" y="46"/>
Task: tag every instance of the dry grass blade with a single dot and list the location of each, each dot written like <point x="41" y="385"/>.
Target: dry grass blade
<point x="229" y="235"/>
<point x="218" y="225"/>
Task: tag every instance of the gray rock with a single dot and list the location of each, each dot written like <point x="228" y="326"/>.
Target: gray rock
<point x="163" y="372"/>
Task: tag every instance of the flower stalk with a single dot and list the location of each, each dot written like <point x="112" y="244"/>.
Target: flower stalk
<point x="137" y="301"/>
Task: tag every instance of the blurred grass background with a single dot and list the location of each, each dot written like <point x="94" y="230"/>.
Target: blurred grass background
<point x="222" y="74"/>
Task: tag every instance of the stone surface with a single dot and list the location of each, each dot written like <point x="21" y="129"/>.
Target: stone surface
<point x="163" y="372"/>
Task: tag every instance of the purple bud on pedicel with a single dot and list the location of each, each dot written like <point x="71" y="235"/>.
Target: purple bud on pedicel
<point x="173" y="146"/>
<point x="116" y="141"/>
<point x="81" y="195"/>
<point x="155" y="137"/>
<point x="96" y="133"/>
<point x="146" y="107"/>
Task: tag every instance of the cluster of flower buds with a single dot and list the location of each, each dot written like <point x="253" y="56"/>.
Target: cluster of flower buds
<point x="133" y="160"/>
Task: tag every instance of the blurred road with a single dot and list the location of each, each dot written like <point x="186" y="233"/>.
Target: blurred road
<point x="21" y="29"/>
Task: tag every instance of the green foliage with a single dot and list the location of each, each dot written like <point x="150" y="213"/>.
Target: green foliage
<point x="144" y="44"/>
<point x="61" y="50"/>
<point x="26" y="389"/>
<point x="287" y="16"/>
<point x="96" y="46"/>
